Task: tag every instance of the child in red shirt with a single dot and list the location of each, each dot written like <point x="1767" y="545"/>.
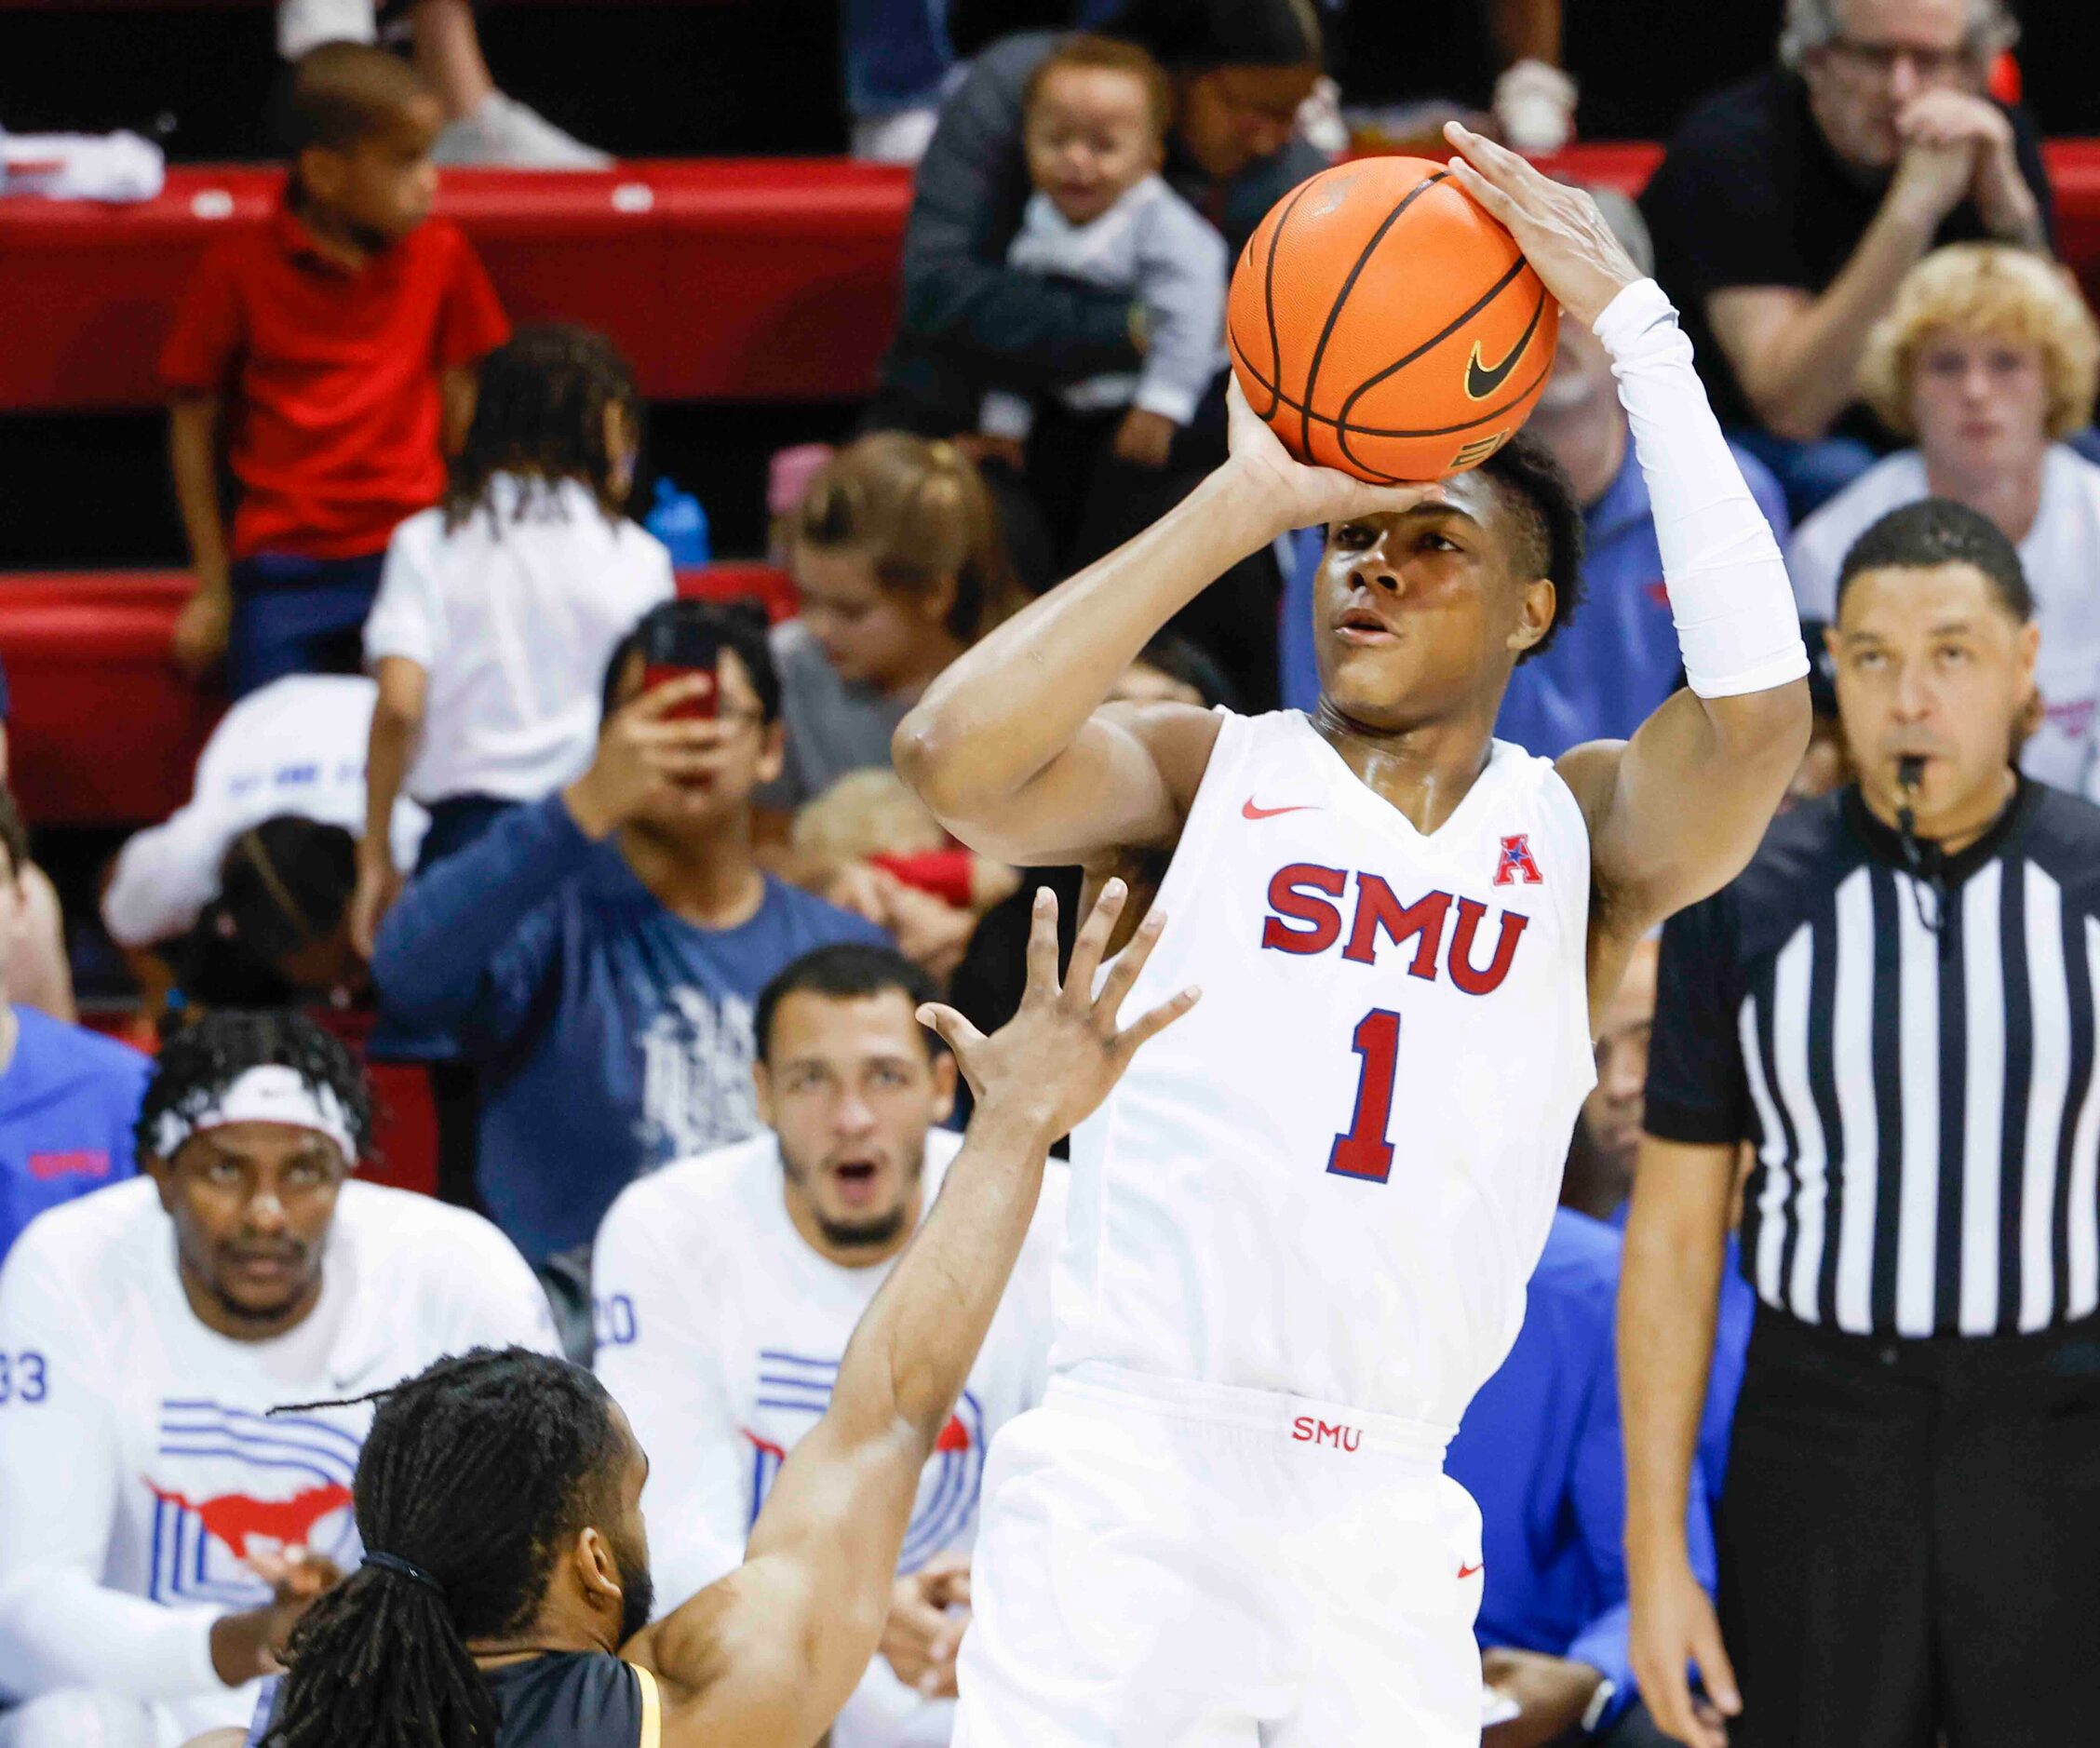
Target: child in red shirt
<point x="332" y="353"/>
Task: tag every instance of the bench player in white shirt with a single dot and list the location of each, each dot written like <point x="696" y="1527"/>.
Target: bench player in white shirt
<point x="160" y="1531"/>
<point x="1301" y="1226"/>
<point x="727" y="1286"/>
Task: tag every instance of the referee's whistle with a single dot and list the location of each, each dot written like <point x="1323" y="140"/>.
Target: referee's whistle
<point x="1910" y="771"/>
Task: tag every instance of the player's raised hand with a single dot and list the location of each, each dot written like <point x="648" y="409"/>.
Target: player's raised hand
<point x="1050" y="1065"/>
<point x="1296" y="494"/>
<point x="1559" y="229"/>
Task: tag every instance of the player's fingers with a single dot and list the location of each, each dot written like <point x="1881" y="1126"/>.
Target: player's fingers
<point x="1490" y="159"/>
<point x="1093" y="941"/>
<point x="1041" y="948"/>
<point x="1133" y="1038"/>
<point x="1123" y="972"/>
<point x="952" y="1029"/>
<point x="1499" y="203"/>
<point x="1715" y="1669"/>
<point x="652" y="705"/>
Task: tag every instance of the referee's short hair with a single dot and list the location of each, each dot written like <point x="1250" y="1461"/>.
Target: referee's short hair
<point x="1935" y="532"/>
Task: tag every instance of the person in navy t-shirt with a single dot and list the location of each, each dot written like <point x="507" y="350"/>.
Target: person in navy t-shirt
<point x="68" y="1097"/>
<point x="599" y="953"/>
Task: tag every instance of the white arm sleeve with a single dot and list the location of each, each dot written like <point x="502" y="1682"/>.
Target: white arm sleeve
<point x="1737" y="625"/>
<point x="59" y="1461"/>
<point x="658" y="1353"/>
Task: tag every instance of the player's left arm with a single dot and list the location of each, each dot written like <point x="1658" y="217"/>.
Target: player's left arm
<point x="1676" y="812"/>
<point x="767" y="1656"/>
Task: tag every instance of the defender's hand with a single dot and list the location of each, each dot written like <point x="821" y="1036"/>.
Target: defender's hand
<point x="1055" y="1060"/>
<point x="1559" y="229"/>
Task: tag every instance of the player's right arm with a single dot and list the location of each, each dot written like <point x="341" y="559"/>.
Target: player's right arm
<point x="1012" y="748"/>
<point x="766" y="1657"/>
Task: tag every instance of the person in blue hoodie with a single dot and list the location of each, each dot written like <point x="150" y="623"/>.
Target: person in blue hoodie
<point x="599" y="954"/>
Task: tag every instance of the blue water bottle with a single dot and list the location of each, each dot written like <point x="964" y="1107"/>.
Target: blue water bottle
<point x="680" y="522"/>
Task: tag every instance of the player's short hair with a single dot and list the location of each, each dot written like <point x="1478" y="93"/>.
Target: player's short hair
<point x="844" y="971"/>
<point x="1550" y="523"/>
<point x="1084" y="52"/>
<point x="475" y="1472"/>
<point x="14" y="835"/>
<point x="1812" y="24"/>
<point x="734" y="624"/>
<point x="1933" y="532"/>
<point x="282" y="885"/>
<point x="1994" y="292"/>
<point x="211" y="1052"/>
<point x="340" y="94"/>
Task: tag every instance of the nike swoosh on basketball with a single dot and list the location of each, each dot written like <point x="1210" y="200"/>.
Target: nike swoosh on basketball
<point x="1251" y="811"/>
<point x="1482" y="382"/>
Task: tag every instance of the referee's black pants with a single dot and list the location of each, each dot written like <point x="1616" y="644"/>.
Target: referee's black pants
<point x="1910" y="1541"/>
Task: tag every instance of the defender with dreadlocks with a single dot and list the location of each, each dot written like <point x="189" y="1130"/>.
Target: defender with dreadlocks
<point x="498" y="608"/>
<point x="499" y="1495"/>
<point x="159" y="1535"/>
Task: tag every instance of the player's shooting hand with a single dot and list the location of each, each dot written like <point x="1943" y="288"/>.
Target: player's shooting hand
<point x="1675" y="1626"/>
<point x="1292" y="494"/>
<point x="1054" y="1061"/>
<point x="643" y="753"/>
<point x="1559" y="229"/>
<point x="928" y="1614"/>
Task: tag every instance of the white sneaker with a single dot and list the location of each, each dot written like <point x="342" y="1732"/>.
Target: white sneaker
<point x="304" y="24"/>
<point x="504" y="132"/>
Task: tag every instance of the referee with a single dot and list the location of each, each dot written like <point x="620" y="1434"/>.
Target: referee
<point x="1896" y="1004"/>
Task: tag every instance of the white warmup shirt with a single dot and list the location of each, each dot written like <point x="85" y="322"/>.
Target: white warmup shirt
<point x="138" y="1461"/>
<point x="513" y="621"/>
<point x="296" y="746"/>
<point x="1157" y="247"/>
<point x="719" y="1331"/>
<point x="2061" y="557"/>
<point x="1333" y="1178"/>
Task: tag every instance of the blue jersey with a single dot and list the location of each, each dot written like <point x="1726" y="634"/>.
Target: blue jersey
<point x="68" y="1099"/>
<point x="614" y="1036"/>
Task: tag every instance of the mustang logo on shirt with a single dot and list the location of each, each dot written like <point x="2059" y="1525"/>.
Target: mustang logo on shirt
<point x="230" y="1483"/>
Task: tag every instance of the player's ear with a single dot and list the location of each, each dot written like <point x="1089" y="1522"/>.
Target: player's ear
<point x="1535" y="612"/>
<point x="772" y="749"/>
<point x="163" y="1174"/>
<point x="598" y="1570"/>
<point x="762" y="1084"/>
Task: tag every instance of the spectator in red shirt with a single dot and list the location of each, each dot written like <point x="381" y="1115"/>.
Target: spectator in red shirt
<point x="332" y="353"/>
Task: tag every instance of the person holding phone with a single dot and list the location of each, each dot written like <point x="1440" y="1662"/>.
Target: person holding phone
<point x="598" y="955"/>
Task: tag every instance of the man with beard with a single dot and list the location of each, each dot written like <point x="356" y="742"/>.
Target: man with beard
<point x="727" y="1287"/>
<point x="159" y="1535"/>
<point x="506" y="1576"/>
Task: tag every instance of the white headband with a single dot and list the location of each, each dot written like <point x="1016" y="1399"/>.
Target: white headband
<point x="271" y="1094"/>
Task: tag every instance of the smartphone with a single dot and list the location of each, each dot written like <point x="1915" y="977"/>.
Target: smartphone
<point x="672" y="650"/>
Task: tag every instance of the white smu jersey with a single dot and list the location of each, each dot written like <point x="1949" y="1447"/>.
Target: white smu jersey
<point x="1333" y="1179"/>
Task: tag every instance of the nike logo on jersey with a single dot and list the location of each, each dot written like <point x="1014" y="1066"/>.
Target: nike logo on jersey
<point x="1482" y="380"/>
<point x="1468" y="1571"/>
<point x="1251" y="811"/>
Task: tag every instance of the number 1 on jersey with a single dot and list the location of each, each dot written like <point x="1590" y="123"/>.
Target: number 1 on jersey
<point x="1364" y="1151"/>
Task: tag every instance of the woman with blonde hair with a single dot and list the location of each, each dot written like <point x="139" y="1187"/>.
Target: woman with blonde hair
<point x="899" y="566"/>
<point x="1987" y="360"/>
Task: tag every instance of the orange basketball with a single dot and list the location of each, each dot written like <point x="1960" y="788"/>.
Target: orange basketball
<point x="1383" y="324"/>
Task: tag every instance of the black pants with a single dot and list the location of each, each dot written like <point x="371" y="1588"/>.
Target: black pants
<point x="1910" y="1541"/>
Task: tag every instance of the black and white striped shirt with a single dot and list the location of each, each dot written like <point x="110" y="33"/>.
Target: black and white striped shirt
<point x="1922" y="1103"/>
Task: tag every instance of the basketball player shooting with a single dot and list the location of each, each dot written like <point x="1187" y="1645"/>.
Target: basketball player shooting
<point x="1302" y="1225"/>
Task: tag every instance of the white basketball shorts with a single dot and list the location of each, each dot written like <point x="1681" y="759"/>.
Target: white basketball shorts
<point x="1167" y="1565"/>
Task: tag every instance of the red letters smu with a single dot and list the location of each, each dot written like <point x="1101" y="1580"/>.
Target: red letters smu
<point x="1305" y="1429"/>
<point x="1303" y="919"/>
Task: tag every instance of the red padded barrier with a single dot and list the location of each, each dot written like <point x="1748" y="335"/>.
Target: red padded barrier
<point x="103" y="729"/>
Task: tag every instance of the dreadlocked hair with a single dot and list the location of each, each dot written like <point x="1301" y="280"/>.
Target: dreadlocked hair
<point x="475" y="1472"/>
<point x="540" y="412"/>
<point x="213" y="1051"/>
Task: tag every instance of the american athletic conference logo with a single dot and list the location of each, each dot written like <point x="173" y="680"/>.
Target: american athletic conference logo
<point x="792" y="1387"/>
<point x="227" y="1482"/>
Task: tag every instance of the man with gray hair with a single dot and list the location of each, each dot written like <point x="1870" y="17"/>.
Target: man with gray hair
<point x="1790" y="206"/>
